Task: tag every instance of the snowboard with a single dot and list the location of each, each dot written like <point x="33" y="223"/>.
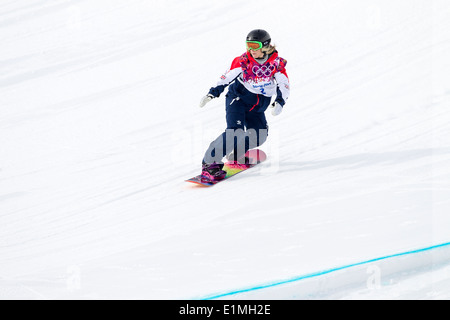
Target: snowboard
<point x="232" y="168"/>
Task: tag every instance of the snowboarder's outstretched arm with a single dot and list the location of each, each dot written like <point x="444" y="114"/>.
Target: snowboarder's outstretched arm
<point x="283" y="91"/>
<point x="227" y="78"/>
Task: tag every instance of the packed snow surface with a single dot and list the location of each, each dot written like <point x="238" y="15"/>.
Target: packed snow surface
<point x="100" y="126"/>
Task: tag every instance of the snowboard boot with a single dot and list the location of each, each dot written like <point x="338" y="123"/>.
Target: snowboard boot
<point x="243" y="160"/>
<point x="213" y="171"/>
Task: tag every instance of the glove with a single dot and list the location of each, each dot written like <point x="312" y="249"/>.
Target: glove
<point x="276" y="108"/>
<point x="206" y="99"/>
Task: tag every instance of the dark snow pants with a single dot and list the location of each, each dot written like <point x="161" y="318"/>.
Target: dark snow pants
<point x="246" y="129"/>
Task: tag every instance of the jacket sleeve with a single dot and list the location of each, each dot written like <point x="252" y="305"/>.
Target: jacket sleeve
<point x="227" y="78"/>
<point x="283" y="89"/>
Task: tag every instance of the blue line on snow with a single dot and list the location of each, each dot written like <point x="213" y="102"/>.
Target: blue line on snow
<point x="319" y="273"/>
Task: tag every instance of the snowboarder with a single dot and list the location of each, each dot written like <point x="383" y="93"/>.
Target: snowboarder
<point x="253" y="79"/>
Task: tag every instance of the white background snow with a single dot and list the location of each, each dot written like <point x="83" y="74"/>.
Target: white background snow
<point x="100" y="126"/>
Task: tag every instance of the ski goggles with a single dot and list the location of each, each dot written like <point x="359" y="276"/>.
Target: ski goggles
<point x="254" y="45"/>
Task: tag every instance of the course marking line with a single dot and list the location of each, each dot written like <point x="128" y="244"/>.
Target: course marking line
<point x="320" y="273"/>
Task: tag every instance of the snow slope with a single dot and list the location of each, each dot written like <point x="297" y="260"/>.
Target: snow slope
<point x="100" y="125"/>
